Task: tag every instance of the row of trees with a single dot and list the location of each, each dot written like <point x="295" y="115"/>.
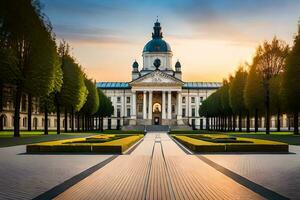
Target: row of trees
<point x="268" y="86"/>
<point x="31" y="61"/>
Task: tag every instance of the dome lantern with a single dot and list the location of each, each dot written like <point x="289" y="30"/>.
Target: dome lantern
<point x="135" y="66"/>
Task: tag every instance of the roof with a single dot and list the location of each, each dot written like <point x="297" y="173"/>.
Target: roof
<point x="157" y="45"/>
<point x="113" y="85"/>
<point x="202" y="85"/>
<point x="187" y="85"/>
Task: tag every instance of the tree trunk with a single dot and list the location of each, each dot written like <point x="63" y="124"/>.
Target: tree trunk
<point x="248" y="122"/>
<point x="46" y="120"/>
<point x="240" y="122"/>
<point x="17" y="111"/>
<point x="66" y="120"/>
<point x="296" y="126"/>
<point x="1" y="107"/>
<point x="267" y="105"/>
<point x="72" y="119"/>
<point x="234" y="123"/>
<point x="57" y="114"/>
<point x="101" y="126"/>
<point x="29" y="112"/>
<point x="289" y="123"/>
<point x="78" y="122"/>
<point x="278" y="120"/>
<point x="82" y="122"/>
<point x="207" y="123"/>
<point x="256" y="121"/>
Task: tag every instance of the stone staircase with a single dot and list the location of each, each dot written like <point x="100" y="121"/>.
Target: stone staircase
<point x="157" y="128"/>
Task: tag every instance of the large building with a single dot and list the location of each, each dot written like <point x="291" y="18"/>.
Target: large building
<point x="156" y="94"/>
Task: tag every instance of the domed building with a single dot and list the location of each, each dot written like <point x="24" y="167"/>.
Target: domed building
<point x="156" y="94"/>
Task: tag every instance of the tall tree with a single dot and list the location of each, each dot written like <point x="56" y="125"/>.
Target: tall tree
<point x="106" y="108"/>
<point x="270" y="61"/>
<point x="236" y="94"/>
<point x="74" y="92"/>
<point x="291" y="80"/>
<point x="254" y="94"/>
<point x="91" y="105"/>
<point x="23" y="30"/>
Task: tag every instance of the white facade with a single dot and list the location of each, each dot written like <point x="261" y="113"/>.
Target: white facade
<point x="156" y="94"/>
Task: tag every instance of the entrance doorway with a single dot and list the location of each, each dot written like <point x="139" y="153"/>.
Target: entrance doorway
<point x="156" y="121"/>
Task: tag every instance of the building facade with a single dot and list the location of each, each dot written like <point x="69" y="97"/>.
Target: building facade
<point x="156" y="94"/>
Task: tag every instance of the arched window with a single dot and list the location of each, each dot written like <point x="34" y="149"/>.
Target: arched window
<point x="156" y="108"/>
<point x="25" y="122"/>
<point x="63" y="124"/>
<point x="35" y="123"/>
<point x="3" y="119"/>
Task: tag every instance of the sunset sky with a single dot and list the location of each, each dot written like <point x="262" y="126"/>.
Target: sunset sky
<point x="209" y="37"/>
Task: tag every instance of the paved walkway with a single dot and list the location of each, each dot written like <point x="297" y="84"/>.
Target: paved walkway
<point x="158" y="169"/>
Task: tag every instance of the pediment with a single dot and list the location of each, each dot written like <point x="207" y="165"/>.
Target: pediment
<point x="156" y="78"/>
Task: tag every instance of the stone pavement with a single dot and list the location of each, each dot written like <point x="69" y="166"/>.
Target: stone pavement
<point x="25" y="176"/>
<point x="158" y="169"/>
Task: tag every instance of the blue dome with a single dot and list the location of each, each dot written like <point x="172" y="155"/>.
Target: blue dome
<point x="157" y="45"/>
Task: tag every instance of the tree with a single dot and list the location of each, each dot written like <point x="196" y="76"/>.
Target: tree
<point x="225" y="104"/>
<point x="23" y="30"/>
<point x="270" y="61"/>
<point x="91" y="105"/>
<point x="254" y="94"/>
<point x="74" y="92"/>
<point x="106" y="108"/>
<point x="236" y="94"/>
<point x="291" y="80"/>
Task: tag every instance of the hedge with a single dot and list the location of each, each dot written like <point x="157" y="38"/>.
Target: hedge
<point x="115" y="146"/>
<point x="245" y="145"/>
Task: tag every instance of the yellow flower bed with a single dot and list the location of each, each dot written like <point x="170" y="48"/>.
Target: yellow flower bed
<point x="254" y="145"/>
<point x="115" y="146"/>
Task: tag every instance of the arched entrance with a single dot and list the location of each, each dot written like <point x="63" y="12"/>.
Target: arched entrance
<point x="156" y="109"/>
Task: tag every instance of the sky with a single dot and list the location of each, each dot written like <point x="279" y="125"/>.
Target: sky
<point x="210" y="38"/>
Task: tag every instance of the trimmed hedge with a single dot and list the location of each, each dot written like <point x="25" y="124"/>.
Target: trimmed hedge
<point x="115" y="146"/>
<point x="253" y="145"/>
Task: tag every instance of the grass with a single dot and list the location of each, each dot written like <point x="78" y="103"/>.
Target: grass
<point x="113" y="144"/>
<point x="225" y="143"/>
<point x="122" y="132"/>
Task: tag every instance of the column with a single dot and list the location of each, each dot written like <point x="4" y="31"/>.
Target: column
<point x="179" y="105"/>
<point x="150" y="105"/>
<point x="133" y="105"/>
<point x="197" y="106"/>
<point x="163" y="107"/>
<point x="145" y="105"/>
<point x="169" y="105"/>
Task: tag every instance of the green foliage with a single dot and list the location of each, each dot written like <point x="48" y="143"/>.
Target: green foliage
<point x="254" y="92"/>
<point x="105" y="109"/>
<point x="9" y="72"/>
<point x="91" y="105"/>
<point x="225" y="102"/>
<point x="73" y="92"/>
<point x="236" y="91"/>
<point x="276" y="100"/>
<point x="291" y="78"/>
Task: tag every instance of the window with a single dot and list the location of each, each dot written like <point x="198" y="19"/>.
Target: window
<point x="128" y="100"/>
<point x="118" y="99"/>
<point x="140" y="107"/>
<point x="201" y="99"/>
<point x="183" y="99"/>
<point x="183" y="112"/>
<point x="25" y="122"/>
<point x="193" y="112"/>
<point x="128" y="112"/>
<point x="193" y="100"/>
<point x="173" y="108"/>
<point x="118" y="112"/>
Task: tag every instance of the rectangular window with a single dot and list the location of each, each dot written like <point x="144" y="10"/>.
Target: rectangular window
<point x="118" y="112"/>
<point x="193" y="112"/>
<point x="128" y="112"/>
<point x="193" y="100"/>
<point x="140" y="107"/>
<point x="128" y="100"/>
<point x="118" y="99"/>
<point x="201" y="99"/>
<point x="183" y="99"/>
<point x="173" y="108"/>
<point x="183" y="112"/>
